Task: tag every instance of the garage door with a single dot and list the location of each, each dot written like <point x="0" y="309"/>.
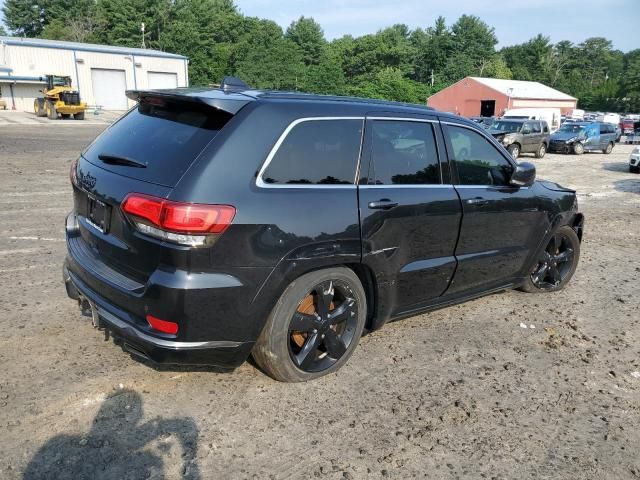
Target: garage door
<point x="162" y="80"/>
<point x="108" y="88"/>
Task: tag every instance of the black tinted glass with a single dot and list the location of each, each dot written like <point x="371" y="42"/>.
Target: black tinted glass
<point x="166" y="136"/>
<point x="403" y="152"/>
<point x="317" y="152"/>
<point x="477" y="161"/>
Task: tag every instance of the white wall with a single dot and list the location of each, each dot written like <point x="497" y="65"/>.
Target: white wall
<point x="36" y="61"/>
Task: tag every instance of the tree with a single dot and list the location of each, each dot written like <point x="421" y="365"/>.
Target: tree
<point x="24" y="17"/>
<point x="2" y="30"/>
<point x="326" y="77"/>
<point x="308" y="35"/>
<point x="473" y="38"/>
<point x="391" y="84"/>
<point x="631" y="75"/>
<point x="497" y="68"/>
<point x="596" y="54"/>
<point x="263" y="66"/>
<point x="209" y="32"/>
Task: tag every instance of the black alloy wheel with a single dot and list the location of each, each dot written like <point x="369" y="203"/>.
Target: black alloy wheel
<point x="556" y="263"/>
<point x="314" y="327"/>
<point x="323" y="326"/>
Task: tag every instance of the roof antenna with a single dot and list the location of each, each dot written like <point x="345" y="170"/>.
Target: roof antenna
<point x="233" y="83"/>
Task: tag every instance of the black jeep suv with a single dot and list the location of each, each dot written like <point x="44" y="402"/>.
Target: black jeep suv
<point x="211" y="224"/>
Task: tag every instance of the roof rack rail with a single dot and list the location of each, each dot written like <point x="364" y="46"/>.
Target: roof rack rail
<point x="233" y="83"/>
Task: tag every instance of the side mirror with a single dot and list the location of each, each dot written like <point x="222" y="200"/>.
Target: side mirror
<point x="524" y="175"/>
<point x="526" y="131"/>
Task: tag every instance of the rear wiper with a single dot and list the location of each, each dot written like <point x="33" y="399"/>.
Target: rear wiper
<point x="121" y="160"/>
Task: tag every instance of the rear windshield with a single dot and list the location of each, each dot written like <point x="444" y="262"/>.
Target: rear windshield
<point x="165" y="135"/>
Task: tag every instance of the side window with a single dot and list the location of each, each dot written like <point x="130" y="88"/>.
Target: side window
<point x="536" y="127"/>
<point x="545" y="127"/>
<point x="603" y="128"/>
<point x="477" y="161"/>
<point x="403" y="153"/>
<point x="320" y="152"/>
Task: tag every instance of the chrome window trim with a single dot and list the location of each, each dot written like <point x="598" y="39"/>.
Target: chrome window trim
<point x="495" y="187"/>
<point x="417" y="185"/>
<point x="261" y="184"/>
<point x="404" y="119"/>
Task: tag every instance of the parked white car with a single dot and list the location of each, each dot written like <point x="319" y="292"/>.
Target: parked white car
<point x="634" y="160"/>
<point x="609" y="118"/>
<point x="576" y="114"/>
<point x="550" y="115"/>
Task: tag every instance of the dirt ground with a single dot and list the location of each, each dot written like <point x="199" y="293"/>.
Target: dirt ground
<point x="463" y="392"/>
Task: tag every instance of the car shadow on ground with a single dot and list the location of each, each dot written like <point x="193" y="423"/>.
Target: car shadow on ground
<point x="120" y="445"/>
<point x="629" y="185"/>
<point x="616" y="167"/>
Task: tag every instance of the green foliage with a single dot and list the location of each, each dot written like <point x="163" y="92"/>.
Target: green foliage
<point x="394" y="63"/>
<point x="308" y="35"/>
<point x="24" y="17"/>
<point x="390" y="84"/>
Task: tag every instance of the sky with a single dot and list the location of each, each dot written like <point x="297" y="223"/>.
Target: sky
<point x="515" y="21"/>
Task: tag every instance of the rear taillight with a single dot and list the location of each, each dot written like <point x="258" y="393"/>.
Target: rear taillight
<point x="163" y="326"/>
<point x="185" y="223"/>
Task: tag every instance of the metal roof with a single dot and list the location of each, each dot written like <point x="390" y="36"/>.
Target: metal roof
<point x="522" y="89"/>
<point x="86" y="47"/>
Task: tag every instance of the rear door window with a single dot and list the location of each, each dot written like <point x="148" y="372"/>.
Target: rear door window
<point x="535" y="127"/>
<point x="403" y="153"/>
<point x="317" y="152"/>
<point x="165" y="136"/>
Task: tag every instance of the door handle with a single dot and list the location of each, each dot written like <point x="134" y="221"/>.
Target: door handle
<point x="382" y="204"/>
<point x="478" y="201"/>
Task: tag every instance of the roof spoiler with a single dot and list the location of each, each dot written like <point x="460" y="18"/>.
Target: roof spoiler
<point x="226" y="103"/>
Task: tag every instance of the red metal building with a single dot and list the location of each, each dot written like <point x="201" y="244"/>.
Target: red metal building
<point x="487" y="97"/>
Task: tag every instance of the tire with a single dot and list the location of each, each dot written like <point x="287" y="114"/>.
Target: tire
<point x="608" y="149"/>
<point x="280" y="349"/>
<point x="542" y="150"/>
<point x="39" y="108"/>
<point x="52" y="114"/>
<point x="541" y="279"/>
<point x="633" y="169"/>
<point x="65" y="115"/>
<point x="514" y="150"/>
<point x="78" y="116"/>
<point x="578" y="149"/>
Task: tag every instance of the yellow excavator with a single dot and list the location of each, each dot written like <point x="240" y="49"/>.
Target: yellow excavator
<point x="59" y="99"/>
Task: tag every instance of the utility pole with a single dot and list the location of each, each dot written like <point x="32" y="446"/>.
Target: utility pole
<point x="142" y="30"/>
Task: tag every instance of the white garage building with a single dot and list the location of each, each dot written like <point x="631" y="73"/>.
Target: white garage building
<point x="101" y="73"/>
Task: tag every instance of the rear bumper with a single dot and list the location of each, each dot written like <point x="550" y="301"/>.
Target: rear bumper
<point x="218" y="322"/>
<point x="220" y="353"/>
